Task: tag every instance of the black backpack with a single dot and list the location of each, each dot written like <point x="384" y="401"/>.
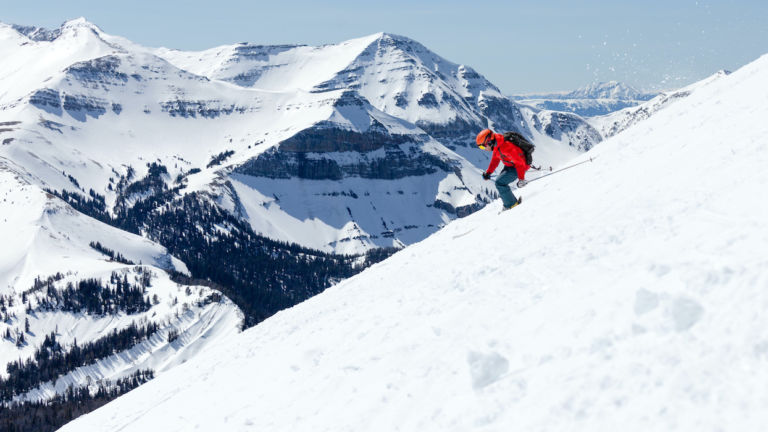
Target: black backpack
<point x="525" y="145"/>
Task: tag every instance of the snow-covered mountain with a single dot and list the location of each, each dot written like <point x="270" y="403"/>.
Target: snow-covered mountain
<point x="609" y="90"/>
<point x="267" y="173"/>
<point x="592" y="100"/>
<point x="297" y="147"/>
<point x="615" y="122"/>
<point x="395" y="74"/>
<point x="70" y="278"/>
<point x="402" y="78"/>
<point x="602" y="303"/>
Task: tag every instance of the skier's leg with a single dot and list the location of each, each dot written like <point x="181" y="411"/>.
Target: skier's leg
<point x="507" y="176"/>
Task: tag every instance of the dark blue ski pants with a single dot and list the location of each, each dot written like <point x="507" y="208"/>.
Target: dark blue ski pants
<point x="507" y="176"/>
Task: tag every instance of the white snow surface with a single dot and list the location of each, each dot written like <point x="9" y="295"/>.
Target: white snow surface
<point x="199" y="328"/>
<point x="42" y="236"/>
<point x="284" y="67"/>
<point x="615" y="122"/>
<point x="629" y="293"/>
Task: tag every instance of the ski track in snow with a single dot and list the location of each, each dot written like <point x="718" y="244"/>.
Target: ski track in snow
<point x="626" y="294"/>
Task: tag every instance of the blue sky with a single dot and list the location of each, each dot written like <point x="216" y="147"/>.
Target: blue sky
<point x="521" y="46"/>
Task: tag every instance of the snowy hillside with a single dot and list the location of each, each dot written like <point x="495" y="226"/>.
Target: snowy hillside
<point x="603" y="303"/>
<point x="53" y="259"/>
<point x="44" y="235"/>
<point x="595" y="99"/>
<point x="615" y="122"/>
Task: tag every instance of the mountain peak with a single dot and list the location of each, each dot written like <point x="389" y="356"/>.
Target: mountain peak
<point x="41" y="34"/>
<point x="76" y="25"/>
<point x="80" y="22"/>
<point x="386" y="35"/>
<point x="398" y="40"/>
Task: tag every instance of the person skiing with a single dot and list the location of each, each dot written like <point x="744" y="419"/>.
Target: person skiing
<point x="514" y="160"/>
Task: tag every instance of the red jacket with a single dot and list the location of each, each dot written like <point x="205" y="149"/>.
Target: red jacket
<point x="510" y="154"/>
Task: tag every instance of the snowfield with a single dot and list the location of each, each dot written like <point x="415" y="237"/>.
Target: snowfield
<point x="625" y="294"/>
<point x="42" y="236"/>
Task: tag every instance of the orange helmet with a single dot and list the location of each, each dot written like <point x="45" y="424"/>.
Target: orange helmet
<point x="485" y="139"/>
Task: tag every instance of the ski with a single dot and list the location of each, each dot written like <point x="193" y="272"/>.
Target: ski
<point x="519" y="201"/>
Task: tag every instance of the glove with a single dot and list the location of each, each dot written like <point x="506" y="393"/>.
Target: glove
<point x="521" y="183"/>
<point x="486" y="175"/>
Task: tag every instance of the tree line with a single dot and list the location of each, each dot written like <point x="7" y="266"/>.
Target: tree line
<point x="50" y="415"/>
<point x="51" y="360"/>
<point x="94" y="297"/>
<point x="262" y="276"/>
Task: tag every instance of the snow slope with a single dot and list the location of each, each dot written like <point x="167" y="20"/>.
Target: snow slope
<point x="626" y="294"/>
<point x="276" y="68"/>
<point x="22" y="69"/>
<point x="43" y="236"/>
<point x="615" y="122"/>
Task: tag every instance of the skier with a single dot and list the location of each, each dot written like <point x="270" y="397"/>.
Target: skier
<point x="515" y="164"/>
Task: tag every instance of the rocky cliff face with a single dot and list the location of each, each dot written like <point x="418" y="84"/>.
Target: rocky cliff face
<point x="326" y="153"/>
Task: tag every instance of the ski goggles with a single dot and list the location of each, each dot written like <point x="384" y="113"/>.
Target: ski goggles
<point x="487" y="143"/>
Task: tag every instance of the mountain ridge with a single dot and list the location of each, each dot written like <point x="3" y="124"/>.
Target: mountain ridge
<point x="598" y="90"/>
<point x="589" y="101"/>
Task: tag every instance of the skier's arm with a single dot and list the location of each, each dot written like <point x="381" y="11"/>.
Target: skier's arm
<point x="521" y="169"/>
<point x="495" y="159"/>
<point x="518" y="159"/>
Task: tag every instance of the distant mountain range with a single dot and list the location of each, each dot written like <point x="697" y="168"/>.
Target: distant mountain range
<point x="595" y="99"/>
<point x="618" y="121"/>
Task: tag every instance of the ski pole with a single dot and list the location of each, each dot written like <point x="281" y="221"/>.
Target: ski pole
<point x="563" y="169"/>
